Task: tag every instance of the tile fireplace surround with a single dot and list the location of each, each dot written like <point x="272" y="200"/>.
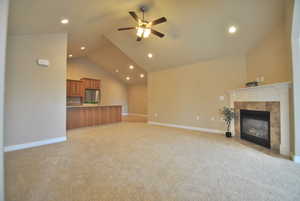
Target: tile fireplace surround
<point x="273" y="98"/>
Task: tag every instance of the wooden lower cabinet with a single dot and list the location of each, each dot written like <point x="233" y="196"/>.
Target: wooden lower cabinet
<point x="78" y="117"/>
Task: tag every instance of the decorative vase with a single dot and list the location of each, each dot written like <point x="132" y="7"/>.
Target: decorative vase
<point x="228" y="134"/>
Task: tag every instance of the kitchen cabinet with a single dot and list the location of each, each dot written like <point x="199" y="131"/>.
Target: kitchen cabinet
<point x="75" y="88"/>
<point x="90" y="83"/>
<point x="81" y="116"/>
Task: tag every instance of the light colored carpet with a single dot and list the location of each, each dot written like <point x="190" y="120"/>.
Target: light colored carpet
<point x="139" y="162"/>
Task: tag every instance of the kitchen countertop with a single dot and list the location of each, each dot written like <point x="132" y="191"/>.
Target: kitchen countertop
<point x="89" y="105"/>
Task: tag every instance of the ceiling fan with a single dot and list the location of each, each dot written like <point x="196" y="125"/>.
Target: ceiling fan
<point x="144" y="27"/>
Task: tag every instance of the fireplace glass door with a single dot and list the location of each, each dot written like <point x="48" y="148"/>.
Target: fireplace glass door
<point x="255" y="127"/>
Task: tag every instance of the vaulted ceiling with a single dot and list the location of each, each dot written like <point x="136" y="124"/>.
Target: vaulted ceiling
<point x="196" y="29"/>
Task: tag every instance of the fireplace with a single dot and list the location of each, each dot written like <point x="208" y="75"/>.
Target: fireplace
<point x="273" y="98"/>
<point x="255" y="127"/>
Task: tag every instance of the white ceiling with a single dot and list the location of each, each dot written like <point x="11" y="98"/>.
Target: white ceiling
<point x="196" y="29"/>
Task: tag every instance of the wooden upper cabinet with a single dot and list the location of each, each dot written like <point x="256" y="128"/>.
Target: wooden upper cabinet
<point x="90" y="83"/>
<point x="75" y="88"/>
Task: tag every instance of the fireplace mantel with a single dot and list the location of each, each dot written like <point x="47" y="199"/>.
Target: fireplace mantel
<point x="279" y="92"/>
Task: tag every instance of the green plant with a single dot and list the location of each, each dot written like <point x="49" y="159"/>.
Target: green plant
<point x="228" y="114"/>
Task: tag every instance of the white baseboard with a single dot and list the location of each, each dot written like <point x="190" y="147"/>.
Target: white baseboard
<point x="34" y="144"/>
<point x="208" y="130"/>
<point x="296" y="159"/>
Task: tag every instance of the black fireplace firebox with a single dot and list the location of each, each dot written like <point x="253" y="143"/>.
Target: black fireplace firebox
<point x="255" y="127"/>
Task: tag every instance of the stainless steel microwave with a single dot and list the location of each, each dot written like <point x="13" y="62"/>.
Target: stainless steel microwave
<point x="92" y="96"/>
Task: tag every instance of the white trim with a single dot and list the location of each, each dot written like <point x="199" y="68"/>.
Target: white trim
<point x="280" y="84"/>
<point x="34" y="144"/>
<point x="296" y="159"/>
<point x="124" y="114"/>
<point x="137" y="114"/>
<point x="187" y="127"/>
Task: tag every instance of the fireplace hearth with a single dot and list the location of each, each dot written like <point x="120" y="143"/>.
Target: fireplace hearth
<point x="255" y="127"/>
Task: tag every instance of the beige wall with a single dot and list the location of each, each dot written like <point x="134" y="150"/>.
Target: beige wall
<point x="113" y="91"/>
<point x="137" y="99"/>
<point x="35" y="96"/>
<point x="296" y="77"/>
<point x="178" y="95"/>
<point x="3" y="33"/>
<point x="109" y="57"/>
<point x="271" y="58"/>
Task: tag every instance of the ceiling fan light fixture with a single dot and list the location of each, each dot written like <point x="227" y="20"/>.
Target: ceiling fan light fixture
<point x="143" y="32"/>
<point x="140" y="32"/>
<point x="144" y="27"/>
<point x="147" y="32"/>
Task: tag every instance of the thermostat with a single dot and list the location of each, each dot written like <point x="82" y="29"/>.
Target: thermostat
<point x="43" y="62"/>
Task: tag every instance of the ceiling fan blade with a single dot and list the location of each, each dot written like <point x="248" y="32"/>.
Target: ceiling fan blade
<point x="159" y="21"/>
<point x="139" y="39"/>
<point x="161" y="35"/>
<point x="134" y="15"/>
<point x="127" y="28"/>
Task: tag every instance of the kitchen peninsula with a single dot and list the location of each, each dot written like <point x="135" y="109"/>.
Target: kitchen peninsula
<point x="83" y="105"/>
<point x="86" y="115"/>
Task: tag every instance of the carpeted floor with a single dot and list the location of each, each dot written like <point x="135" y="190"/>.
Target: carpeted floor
<point x="140" y="162"/>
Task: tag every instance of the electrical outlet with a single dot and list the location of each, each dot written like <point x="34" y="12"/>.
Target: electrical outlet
<point x="197" y="117"/>
<point x="222" y="98"/>
<point x="155" y="114"/>
<point x="262" y="78"/>
<point x="213" y="119"/>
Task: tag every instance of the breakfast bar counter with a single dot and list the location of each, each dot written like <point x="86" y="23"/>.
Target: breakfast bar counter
<point x="91" y="115"/>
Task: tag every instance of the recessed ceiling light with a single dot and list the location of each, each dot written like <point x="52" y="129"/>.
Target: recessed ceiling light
<point x="131" y="67"/>
<point x="64" y="21"/>
<point x="142" y="75"/>
<point x="70" y="55"/>
<point x="82" y="48"/>
<point x="117" y="70"/>
<point x="127" y="78"/>
<point x="150" y="55"/>
<point x="232" y="29"/>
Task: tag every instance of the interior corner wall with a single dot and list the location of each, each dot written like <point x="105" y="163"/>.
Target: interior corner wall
<point x="35" y="97"/>
<point x="271" y="58"/>
<point x="113" y="91"/>
<point x="179" y="95"/>
<point x="137" y="99"/>
<point x="4" y="5"/>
